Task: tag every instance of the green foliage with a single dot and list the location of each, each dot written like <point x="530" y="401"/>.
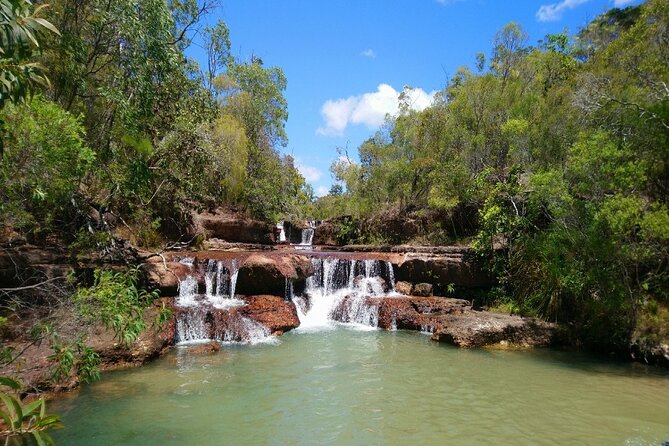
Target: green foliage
<point x="45" y="144"/>
<point x="562" y="149"/>
<point x="21" y="33"/>
<point x="117" y="302"/>
<point x="19" y="420"/>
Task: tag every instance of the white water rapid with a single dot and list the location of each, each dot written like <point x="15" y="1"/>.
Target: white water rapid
<point x="339" y="292"/>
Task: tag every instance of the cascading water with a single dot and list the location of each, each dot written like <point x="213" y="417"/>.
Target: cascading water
<point x="307" y="236"/>
<point x="282" y="231"/>
<point x="339" y="292"/>
<point x="212" y="315"/>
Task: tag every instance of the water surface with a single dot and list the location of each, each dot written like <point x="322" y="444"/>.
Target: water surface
<point x="352" y="387"/>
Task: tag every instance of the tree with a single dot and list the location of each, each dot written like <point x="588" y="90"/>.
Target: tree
<point x="21" y="33"/>
<point x="509" y="48"/>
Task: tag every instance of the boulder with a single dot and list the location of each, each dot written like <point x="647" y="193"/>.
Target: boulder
<point x="325" y="234"/>
<point x="273" y="312"/>
<point x="165" y="275"/>
<point x="268" y="274"/>
<point x="422" y="289"/>
<point x="403" y="288"/>
<point x="232" y="227"/>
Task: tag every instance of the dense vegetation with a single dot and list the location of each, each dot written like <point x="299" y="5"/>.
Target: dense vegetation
<point x="554" y="161"/>
<point x="122" y="121"/>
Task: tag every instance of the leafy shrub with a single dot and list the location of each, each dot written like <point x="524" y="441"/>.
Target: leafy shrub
<point x="117" y="302"/>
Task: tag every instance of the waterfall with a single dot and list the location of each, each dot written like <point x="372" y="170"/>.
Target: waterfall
<point x="339" y="291"/>
<point x="282" y="231"/>
<point x="220" y="281"/>
<point x="307" y="236"/>
<point x="213" y="315"/>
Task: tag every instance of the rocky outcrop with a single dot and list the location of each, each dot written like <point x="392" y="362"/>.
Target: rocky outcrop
<point x="232" y="227"/>
<point x="458" y="270"/>
<point x="35" y="367"/>
<point x="453" y="321"/>
<point x="483" y="329"/>
<point x="259" y="273"/>
<point x="259" y="317"/>
<point x="263" y="274"/>
<point x="153" y="341"/>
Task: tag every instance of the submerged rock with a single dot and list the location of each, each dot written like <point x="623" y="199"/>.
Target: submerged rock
<point x="206" y="348"/>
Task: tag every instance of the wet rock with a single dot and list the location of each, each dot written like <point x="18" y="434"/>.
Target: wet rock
<point x="422" y="289"/>
<point x="403" y="288"/>
<point x="232" y="227"/>
<point x="454" y="321"/>
<point x="273" y="312"/>
<point x="265" y="274"/>
<point x="372" y="285"/>
<point x="413" y="313"/>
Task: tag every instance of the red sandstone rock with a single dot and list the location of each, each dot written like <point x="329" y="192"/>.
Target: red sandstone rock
<point x="263" y="274"/>
<point x="232" y="227"/>
<point x="422" y="289"/>
<point x="273" y="312"/>
<point x="403" y="288"/>
<point x="480" y="329"/>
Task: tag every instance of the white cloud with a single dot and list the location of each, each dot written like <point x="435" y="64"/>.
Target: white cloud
<point x="368" y="53"/>
<point x="321" y="191"/>
<point x="309" y="173"/>
<point x="369" y="109"/>
<point x="621" y="3"/>
<point x="553" y="12"/>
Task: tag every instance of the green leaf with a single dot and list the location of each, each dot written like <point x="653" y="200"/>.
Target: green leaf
<point x="29" y="408"/>
<point x="48" y="25"/>
<point x="38" y="438"/>
<point x="9" y="382"/>
<point x="14" y="410"/>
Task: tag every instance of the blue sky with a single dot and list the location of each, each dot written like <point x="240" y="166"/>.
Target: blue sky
<point x="347" y="60"/>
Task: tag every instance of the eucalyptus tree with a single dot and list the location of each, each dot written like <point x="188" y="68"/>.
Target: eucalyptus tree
<point x="21" y="40"/>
